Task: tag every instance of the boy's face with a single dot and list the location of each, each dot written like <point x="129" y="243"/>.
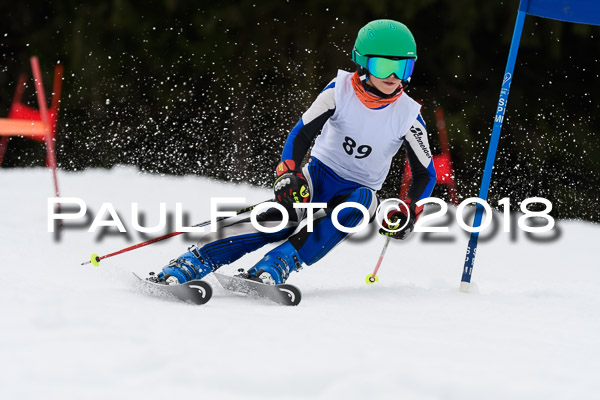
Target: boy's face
<point x="388" y="85"/>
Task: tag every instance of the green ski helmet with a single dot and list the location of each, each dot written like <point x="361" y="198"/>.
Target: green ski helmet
<point x="384" y="47"/>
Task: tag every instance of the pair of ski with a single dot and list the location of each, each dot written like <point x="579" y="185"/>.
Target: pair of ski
<point x="199" y="292"/>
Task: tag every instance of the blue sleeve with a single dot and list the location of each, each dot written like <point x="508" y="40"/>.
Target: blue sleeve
<point x="309" y="126"/>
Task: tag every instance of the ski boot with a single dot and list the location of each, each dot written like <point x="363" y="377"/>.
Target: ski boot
<point x="189" y="266"/>
<point x="276" y="265"/>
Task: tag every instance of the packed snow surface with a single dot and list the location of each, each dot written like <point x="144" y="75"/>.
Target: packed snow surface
<point x="529" y="329"/>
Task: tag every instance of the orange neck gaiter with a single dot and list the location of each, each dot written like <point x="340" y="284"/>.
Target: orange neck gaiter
<point x="369" y="99"/>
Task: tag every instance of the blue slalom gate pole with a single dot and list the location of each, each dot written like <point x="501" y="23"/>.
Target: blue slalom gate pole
<point x="493" y="146"/>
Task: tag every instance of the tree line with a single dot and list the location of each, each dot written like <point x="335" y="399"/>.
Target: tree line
<point x="213" y="88"/>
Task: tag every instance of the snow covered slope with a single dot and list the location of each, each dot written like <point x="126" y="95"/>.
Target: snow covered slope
<point x="528" y="331"/>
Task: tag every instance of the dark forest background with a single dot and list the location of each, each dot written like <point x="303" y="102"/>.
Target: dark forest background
<point x="213" y="88"/>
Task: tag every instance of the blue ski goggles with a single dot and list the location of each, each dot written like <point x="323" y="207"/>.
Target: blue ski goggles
<point x="382" y="68"/>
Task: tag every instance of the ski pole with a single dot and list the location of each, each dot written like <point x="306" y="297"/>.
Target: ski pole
<point x="372" y="278"/>
<point x="95" y="258"/>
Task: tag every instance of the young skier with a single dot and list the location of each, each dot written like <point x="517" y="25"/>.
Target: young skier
<point x="360" y="120"/>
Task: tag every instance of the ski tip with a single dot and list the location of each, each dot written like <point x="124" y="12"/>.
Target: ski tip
<point x="464" y="287"/>
<point x="196" y="291"/>
<point x="294" y="295"/>
<point x="204" y="291"/>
